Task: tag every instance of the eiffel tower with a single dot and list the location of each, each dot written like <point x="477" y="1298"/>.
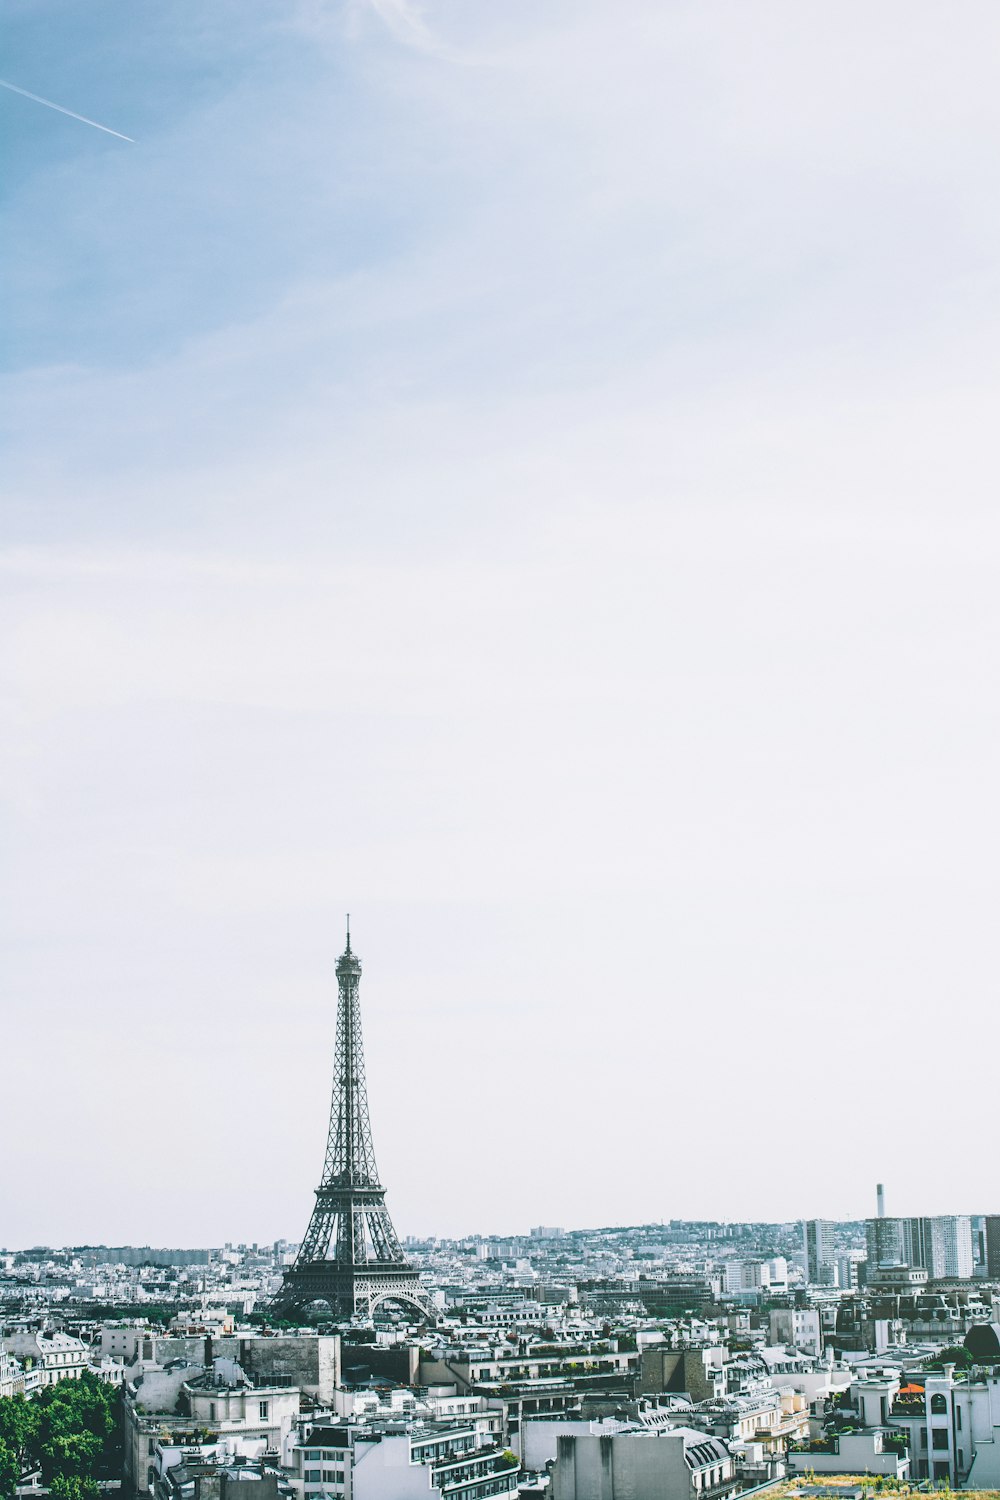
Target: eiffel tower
<point x="350" y="1257"/>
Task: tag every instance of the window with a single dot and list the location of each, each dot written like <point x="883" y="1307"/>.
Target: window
<point x="958" y="1418"/>
<point x="314" y="1476"/>
<point x="938" y="1404"/>
<point x="263" y="1411"/>
<point x="211" y="1411"/>
<point x="939" y="1437"/>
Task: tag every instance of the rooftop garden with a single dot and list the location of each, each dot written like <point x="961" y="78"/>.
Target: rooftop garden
<point x="870" y="1485"/>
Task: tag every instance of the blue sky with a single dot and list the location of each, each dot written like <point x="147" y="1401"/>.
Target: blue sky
<point x="523" y="474"/>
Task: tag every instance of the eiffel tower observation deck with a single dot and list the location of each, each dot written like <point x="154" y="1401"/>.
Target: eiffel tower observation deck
<point x="350" y="1258"/>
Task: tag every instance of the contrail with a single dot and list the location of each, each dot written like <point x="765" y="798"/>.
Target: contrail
<point x="73" y="116"/>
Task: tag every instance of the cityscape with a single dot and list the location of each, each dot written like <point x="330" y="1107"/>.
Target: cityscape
<point x="690" y="1360"/>
<point x="523" y="473"/>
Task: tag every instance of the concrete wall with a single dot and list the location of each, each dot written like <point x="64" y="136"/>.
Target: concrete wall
<point x="383" y="1471"/>
<point x="159" y="1390"/>
<point x="312" y="1361"/>
<point x="626" y="1466"/>
<point x="400" y="1362"/>
<point x="675" y="1370"/>
<point x="314" y="1364"/>
<point x="540" y="1440"/>
<point x="859" y="1454"/>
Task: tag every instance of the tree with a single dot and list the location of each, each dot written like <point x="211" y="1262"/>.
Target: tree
<point x="10" y="1470"/>
<point x="955" y="1354"/>
<point x="74" y="1487"/>
<point x="19" y="1423"/>
<point x="70" y="1454"/>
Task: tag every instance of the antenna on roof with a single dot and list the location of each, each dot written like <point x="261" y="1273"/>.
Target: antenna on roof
<point x="348" y="932"/>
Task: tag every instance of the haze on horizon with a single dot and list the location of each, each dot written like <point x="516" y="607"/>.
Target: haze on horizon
<point x="524" y="476"/>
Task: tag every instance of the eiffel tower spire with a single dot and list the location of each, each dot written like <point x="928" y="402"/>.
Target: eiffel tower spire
<point x="350" y="1256"/>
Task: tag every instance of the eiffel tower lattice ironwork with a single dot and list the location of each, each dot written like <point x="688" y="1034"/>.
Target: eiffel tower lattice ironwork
<point x="350" y="1257"/>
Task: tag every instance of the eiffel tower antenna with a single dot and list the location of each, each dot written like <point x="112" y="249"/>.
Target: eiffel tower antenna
<point x="350" y="1257"/>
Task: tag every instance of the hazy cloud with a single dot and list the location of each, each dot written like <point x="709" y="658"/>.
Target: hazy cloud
<point x="546" y="508"/>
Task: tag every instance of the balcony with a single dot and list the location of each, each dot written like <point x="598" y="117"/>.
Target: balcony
<point x="910" y="1409"/>
<point x="717" y="1491"/>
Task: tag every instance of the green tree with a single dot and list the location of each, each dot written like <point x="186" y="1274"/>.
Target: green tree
<point x="70" y="1454"/>
<point x="74" y="1487"/>
<point x="955" y="1354"/>
<point x="19" y="1423"/>
<point x="10" y="1470"/>
<point x="70" y="1430"/>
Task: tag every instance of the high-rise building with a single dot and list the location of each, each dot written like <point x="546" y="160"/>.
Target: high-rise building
<point x="847" y="1270"/>
<point x="993" y="1245"/>
<point x="889" y="1242"/>
<point x="941" y="1245"/>
<point x="950" y="1237"/>
<point x="819" y="1255"/>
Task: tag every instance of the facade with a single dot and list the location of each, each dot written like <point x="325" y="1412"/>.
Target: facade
<point x="11" y="1375"/>
<point x="188" y="1414"/>
<point x="888" y="1242"/>
<point x="771" y="1419"/>
<point x="224" y="1401"/>
<point x="633" y="1464"/>
<point x="798" y="1327"/>
<point x="941" y="1245"/>
<point x="952" y="1426"/>
<point x="47" y="1358"/>
<point x="992" y="1235"/>
<point x="305" y="1358"/>
<point x="874" y="1452"/>
<point x="848" y="1266"/>
<point x="819" y="1255"/>
<point x="400" y="1461"/>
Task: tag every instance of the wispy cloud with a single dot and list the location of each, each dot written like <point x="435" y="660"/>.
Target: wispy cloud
<point x="406" y="21"/>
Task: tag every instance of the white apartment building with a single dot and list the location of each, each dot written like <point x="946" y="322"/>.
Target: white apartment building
<point x="798" y="1328"/>
<point x="952" y="1425"/>
<point x="852" y="1453"/>
<point x="11" y="1375"/>
<point x="178" y="1415"/>
<point x="951" y="1247"/>
<point x="819" y="1255"/>
<point x="49" y="1357"/>
<point x="400" y="1461"/>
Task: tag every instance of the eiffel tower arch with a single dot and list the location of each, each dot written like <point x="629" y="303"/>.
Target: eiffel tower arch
<point x="350" y="1257"/>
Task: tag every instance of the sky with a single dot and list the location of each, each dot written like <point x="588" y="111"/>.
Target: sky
<point x="524" y="475"/>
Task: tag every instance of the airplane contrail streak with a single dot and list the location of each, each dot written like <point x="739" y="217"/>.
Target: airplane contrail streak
<point x="72" y="114"/>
